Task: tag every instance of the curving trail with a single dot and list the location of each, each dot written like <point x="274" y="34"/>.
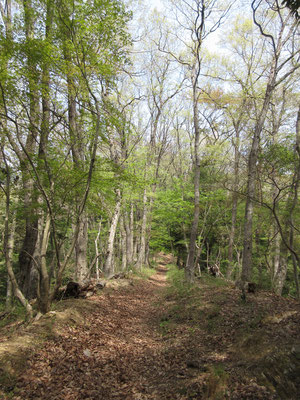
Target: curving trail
<point x="118" y="354"/>
<point x="141" y="343"/>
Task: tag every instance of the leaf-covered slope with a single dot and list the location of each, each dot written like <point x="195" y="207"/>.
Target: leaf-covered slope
<point x="160" y="340"/>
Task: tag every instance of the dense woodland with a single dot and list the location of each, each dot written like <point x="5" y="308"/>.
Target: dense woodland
<point x="126" y="131"/>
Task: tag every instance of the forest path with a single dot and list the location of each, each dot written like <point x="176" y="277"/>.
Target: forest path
<point x="152" y="341"/>
<point x="118" y="354"/>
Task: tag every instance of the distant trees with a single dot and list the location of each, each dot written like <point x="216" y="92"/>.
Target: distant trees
<point x="58" y="61"/>
<point x="280" y="67"/>
<point x="106" y="159"/>
<point x="249" y="113"/>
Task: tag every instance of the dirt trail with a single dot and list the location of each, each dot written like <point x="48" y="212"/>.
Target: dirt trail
<point x="139" y="343"/>
<point x="117" y="355"/>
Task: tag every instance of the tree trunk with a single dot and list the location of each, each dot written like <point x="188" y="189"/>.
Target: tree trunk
<point x="123" y="244"/>
<point x="28" y="271"/>
<point x="29" y="274"/>
<point x="296" y="275"/>
<point x="135" y="250"/>
<point x="190" y="263"/>
<point x="129" y="237"/>
<point x="44" y="227"/>
<point x="296" y="264"/>
<point x="81" y="267"/>
<point x="142" y="250"/>
<point x="276" y="258"/>
<point x="97" y="250"/>
<point x="9" y="295"/>
<point x="282" y="270"/>
<point x="9" y="235"/>
<point x="44" y="300"/>
<point x="252" y="169"/>
<point x="287" y="228"/>
<point x="109" y="264"/>
<point x="234" y="204"/>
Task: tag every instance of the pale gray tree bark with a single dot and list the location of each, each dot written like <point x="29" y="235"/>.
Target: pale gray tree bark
<point x="192" y="18"/>
<point x="235" y="189"/>
<point x="129" y="227"/>
<point x="287" y="226"/>
<point x="142" y="248"/>
<point x="29" y="273"/>
<point x="108" y="268"/>
<point x="9" y="240"/>
<point x="190" y="262"/>
<point x="273" y="81"/>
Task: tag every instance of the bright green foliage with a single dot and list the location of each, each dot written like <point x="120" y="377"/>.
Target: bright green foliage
<point x="173" y="208"/>
<point x="278" y="157"/>
<point x="75" y="54"/>
<point x="178" y="289"/>
<point x="61" y="55"/>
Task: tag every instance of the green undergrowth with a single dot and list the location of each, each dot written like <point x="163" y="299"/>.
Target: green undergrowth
<point x="178" y="288"/>
<point x="185" y="300"/>
<point x="217" y="383"/>
<point x="193" y="312"/>
<point x="16" y="315"/>
<point x="210" y="280"/>
<point x="250" y="344"/>
<point x="144" y="272"/>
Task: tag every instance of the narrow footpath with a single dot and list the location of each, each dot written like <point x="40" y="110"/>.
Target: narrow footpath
<point x="118" y="354"/>
<point x="143" y="341"/>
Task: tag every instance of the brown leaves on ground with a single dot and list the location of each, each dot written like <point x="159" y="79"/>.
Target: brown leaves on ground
<point x="138" y="344"/>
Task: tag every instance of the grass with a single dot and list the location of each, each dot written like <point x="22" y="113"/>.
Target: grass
<point x="165" y="327"/>
<point x="193" y="312"/>
<point x="210" y="280"/>
<point x="213" y="319"/>
<point x="144" y="272"/>
<point x="188" y="304"/>
<point x="17" y="314"/>
<point x="186" y="299"/>
<point x="178" y="287"/>
<point x="217" y="384"/>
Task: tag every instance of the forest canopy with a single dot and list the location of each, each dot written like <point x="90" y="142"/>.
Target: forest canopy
<point x="127" y="130"/>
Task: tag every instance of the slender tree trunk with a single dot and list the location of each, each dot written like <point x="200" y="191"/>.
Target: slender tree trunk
<point x="6" y="17"/>
<point x="29" y="273"/>
<point x="190" y="263"/>
<point x="287" y="230"/>
<point x="123" y="243"/>
<point x="9" y="234"/>
<point x="9" y="295"/>
<point x="296" y="264"/>
<point x="234" y="205"/>
<point x="276" y="257"/>
<point x="252" y="169"/>
<point x="282" y="269"/>
<point x="109" y="263"/>
<point x="44" y="300"/>
<point x="142" y="250"/>
<point x="81" y="267"/>
<point x="135" y="250"/>
<point x="76" y="137"/>
<point x="129" y="239"/>
<point x="97" y="250"/>
<point x="44" y="226"/>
